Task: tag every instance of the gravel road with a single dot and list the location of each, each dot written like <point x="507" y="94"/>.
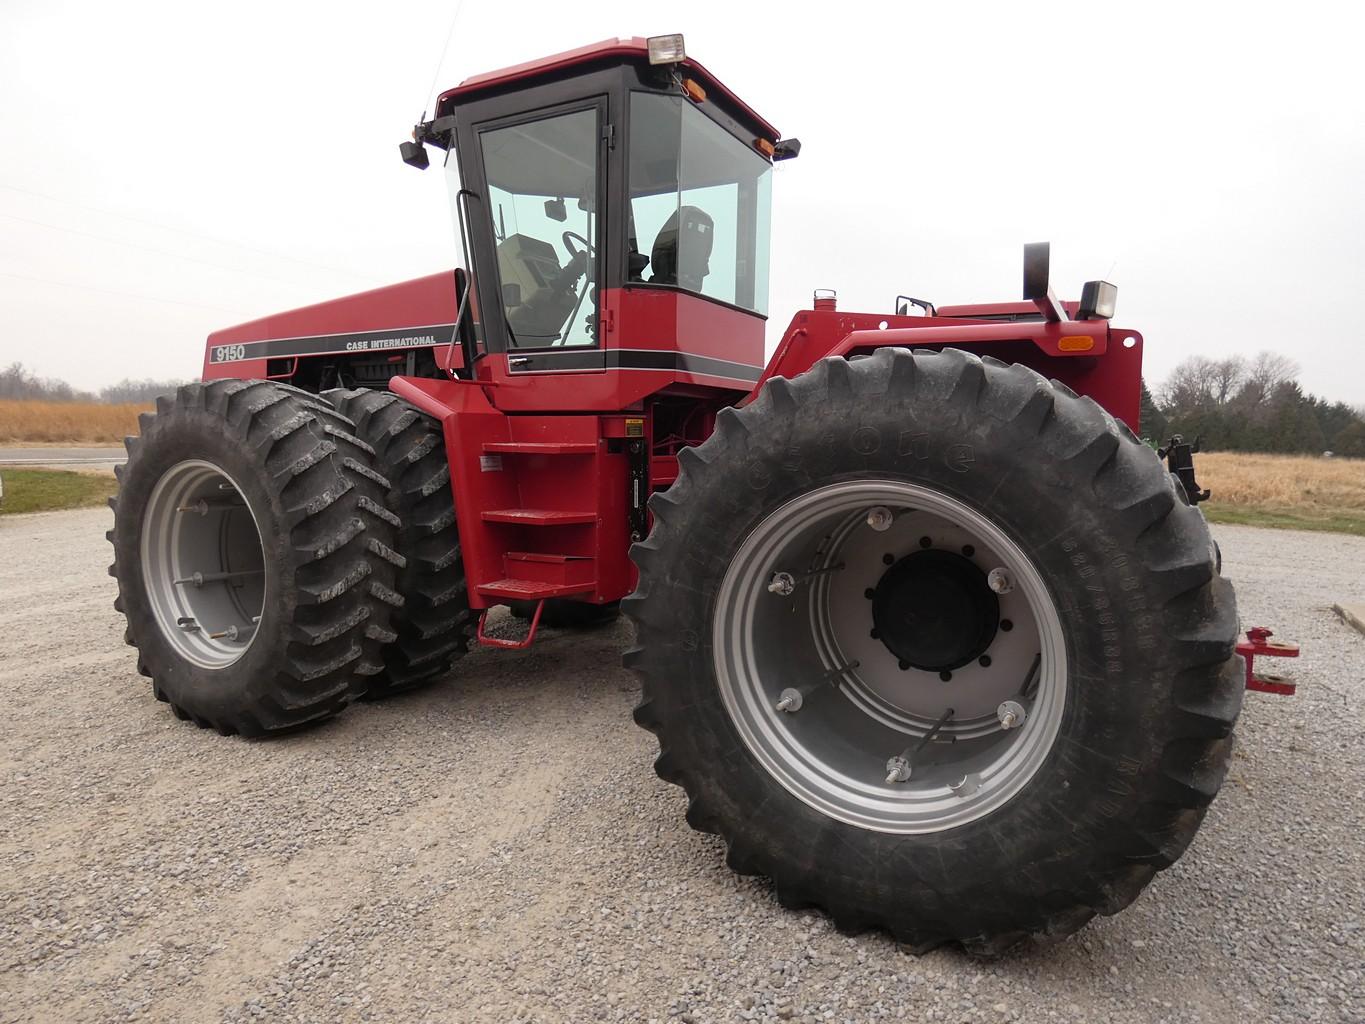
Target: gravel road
<point x="498" y="849"/>
<point x="56" y="457"/>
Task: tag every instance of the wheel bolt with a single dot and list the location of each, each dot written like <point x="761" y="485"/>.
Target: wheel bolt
<point x="1011" y="714"/>
<point x="782" y="583"/>
<point x="999" y="581"/>
<point x="897" y="770"/>
<point x="880" y="518"/>
<point x="790" y="700"/>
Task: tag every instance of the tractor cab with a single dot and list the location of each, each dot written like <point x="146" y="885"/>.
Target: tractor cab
<point x="614" y="210"/>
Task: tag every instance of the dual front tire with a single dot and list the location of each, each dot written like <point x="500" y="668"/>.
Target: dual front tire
<point x="277" y="553"/>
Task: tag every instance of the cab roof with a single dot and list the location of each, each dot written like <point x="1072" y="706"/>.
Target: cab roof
<point x="627" y="47"/>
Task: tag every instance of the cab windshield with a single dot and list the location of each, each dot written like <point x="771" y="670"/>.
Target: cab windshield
<point x="700" y="205"/>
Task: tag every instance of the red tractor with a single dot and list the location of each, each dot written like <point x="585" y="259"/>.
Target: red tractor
<point x="929" y="637"/>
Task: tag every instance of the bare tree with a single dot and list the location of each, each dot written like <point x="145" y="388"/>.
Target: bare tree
<point x="138" y="390"/>
<point x="1227" y="377"/>
<point x="18" y="383"/>
<point x="1265" y="373"/>
<point x="1192" y="384"/>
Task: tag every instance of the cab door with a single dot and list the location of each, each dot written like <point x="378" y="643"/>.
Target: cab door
<point x="541" y="228"/>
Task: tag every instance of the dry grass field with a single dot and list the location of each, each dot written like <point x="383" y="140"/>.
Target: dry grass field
<point x="1298" y="492"/>
<point x="29" y="422"/>
<point x="1290" y="491"/>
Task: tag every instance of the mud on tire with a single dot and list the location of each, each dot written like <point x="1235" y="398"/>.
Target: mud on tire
<point x="435" y="624"/>
<point x="321" y="580"/>
<point x="1152" y="686"/>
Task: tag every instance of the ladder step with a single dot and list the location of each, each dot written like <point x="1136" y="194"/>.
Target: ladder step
<point x="538" y="517"/>
<point x="532" y="590"/>
<point x="540" y="447"/>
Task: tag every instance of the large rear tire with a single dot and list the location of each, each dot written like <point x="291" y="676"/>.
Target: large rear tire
<point x="435" y="624"/>
<point x="254" y="556"/>
<point x="836" y="538"/>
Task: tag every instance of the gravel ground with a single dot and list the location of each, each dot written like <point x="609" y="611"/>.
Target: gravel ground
<point x="497" y="848"/>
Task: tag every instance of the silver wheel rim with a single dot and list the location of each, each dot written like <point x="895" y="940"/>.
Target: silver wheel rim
<point x="203" y="564"/>
<point x="857" y="708"/>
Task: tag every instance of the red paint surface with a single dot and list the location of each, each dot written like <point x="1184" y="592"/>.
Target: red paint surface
<point x="540" y="487"/>
<point x="1110" y="372"/>
<point x="632" y="47"/>
<point x="1258" y="643"/>
<point x="420" y="302"/>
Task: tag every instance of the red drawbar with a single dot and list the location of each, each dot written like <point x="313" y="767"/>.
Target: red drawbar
<point x="1258" y="642"/>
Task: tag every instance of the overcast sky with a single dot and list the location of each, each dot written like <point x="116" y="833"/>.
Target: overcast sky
<point x="168" y="168"/>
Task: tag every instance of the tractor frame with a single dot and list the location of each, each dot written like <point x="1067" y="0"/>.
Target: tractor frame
<point x="555" y="449"/>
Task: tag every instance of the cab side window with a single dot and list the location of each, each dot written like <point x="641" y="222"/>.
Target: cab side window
<point x="542" y="191"/>
<point x="699" y="205"/>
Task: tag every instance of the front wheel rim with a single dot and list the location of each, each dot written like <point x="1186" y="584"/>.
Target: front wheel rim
<point x="827" y="708"/>
<point x="203" y="564"/>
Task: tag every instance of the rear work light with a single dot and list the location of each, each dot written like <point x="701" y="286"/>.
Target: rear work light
<point x="1097" y="301"/>
<point x="666" y="49"/>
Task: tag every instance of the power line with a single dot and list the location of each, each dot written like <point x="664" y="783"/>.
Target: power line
<point x="178" y="257"/>
<point x="183" y="231"/>
<point x="126" y="295"/>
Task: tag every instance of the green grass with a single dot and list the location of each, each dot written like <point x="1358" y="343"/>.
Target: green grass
<point x="46" y="490"/>
<point x="1342" y="521"/>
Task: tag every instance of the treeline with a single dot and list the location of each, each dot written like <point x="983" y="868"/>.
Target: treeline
<point x="1250" y="405"/>
<point x="18" y="383"/>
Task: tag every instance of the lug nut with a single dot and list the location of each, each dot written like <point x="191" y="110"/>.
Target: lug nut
<point x="897" y="770"/>
<point x="1011" y="714"/>
<point x="999" y="581"/>
<point x="880" y="518"/>
<point x="782" y="583"/>
<point x="790" y="700"/>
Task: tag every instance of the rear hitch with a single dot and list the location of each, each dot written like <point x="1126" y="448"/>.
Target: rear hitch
<point x="1258" y="642"/>
<point x="1179" y="458"/>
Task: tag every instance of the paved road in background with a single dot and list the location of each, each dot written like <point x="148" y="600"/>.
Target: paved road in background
<point x="71" y="458"/>
<point x="496" y="848"/>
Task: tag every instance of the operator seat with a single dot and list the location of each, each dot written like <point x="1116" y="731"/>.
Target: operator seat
<point x="682" y="250"/>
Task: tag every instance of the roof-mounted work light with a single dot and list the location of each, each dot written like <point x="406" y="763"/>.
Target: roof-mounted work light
<point x="1097" y="301"/>
<point x="666" y="49"/>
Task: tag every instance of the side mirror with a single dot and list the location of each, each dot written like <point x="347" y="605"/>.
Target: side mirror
<point x="414" y="154"/>
<point x="556" y="210"/>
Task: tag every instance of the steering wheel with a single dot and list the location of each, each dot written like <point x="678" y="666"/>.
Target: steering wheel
<point x="570" y="237"/>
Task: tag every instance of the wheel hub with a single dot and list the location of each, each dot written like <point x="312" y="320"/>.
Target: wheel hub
<point x="203" y="564"/>
<point x="934" y="611"/>
<point x="835" y="711"/>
